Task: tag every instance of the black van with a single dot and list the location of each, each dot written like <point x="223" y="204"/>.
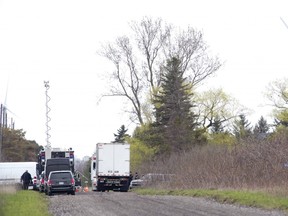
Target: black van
<point x="61" y="181"/>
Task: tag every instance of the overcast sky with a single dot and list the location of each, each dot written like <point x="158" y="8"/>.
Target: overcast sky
<point x="56" y="41"/>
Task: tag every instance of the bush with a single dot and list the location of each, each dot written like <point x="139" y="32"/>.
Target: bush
<point x="251" y="164"/>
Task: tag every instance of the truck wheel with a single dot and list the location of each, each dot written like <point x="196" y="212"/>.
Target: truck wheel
<point x="73" y="193"/>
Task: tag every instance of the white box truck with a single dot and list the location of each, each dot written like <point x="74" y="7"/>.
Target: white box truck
<point x="110" y="167"/>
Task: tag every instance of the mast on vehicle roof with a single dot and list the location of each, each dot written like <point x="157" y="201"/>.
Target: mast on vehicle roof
<point x="48" y="119"/>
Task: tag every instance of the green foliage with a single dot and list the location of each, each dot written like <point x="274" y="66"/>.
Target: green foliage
<point x="281" y="130"/>
<point x="277" y="94"/>
<point x="174" y="120"/>
<point x="16" y="148"/>
<point x="146" y="133"/>
<point x="215" y="108"/>
<point x="281" y="117"/>
<point x="139" y="153"/>
<point x="87" y="172"/>
<point x="121" y="135"/>
<point x="24" y="203"/>
<point x="223" y="138"/>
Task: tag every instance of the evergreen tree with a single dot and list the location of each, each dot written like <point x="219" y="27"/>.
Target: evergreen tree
<point x="217" y="126"/>
<point x="261" y="127"/>
<point x="242" y="128"/>
<point x="174" y="119"/>
<point x="121" y="135"/>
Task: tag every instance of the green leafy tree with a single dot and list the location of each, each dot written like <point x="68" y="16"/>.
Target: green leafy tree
<point x="140" y="152"/>
<point x="215" y="107"/>
<point x="121" y="135"/>
<point x="277" y="95"/>
<point x="15" y="147"/>
<point x="175" y="121"/>
<point x="281" y="117"/>
<point x="242" y="128"/>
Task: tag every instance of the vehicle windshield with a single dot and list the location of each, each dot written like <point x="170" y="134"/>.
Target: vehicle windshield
<point x="61" y="175"/>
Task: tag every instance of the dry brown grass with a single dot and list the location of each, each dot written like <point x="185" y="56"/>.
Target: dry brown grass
<point x="9" y="188"/>
<point x="251" y="164"/>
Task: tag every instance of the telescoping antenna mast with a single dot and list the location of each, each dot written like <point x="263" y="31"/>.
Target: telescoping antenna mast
<point x="48" y="119"/>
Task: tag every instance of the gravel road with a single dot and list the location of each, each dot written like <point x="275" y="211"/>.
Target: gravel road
<point x="122" y="204"/>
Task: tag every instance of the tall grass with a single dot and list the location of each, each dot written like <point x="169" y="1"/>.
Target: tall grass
<point x="22" y="202"/>
<point x="251" y="164"/>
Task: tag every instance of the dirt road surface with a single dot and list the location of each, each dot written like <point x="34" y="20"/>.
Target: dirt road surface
<point x="126" y="204"/>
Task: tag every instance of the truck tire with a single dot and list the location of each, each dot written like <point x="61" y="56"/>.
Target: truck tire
<point x="124" y="189"/>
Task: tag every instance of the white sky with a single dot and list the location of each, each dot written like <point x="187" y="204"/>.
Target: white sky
<point x="57" y="41"/>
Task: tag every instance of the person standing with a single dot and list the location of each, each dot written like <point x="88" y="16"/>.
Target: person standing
<point x="26" y="179"/>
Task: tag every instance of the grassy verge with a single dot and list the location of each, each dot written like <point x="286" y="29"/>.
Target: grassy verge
<point x="24" y="203"/>
<point x="245" y="198"/>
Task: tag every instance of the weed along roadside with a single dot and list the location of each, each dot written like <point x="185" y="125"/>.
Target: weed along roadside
<point x="254" y="199"/>
<point x="22" y="202"/>
<point x="27" y="203"/>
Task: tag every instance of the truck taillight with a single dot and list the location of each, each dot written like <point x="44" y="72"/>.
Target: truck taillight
<point x="72" y="181"/>
<point x="42" y="155"/>
<point x="49" y="182"/>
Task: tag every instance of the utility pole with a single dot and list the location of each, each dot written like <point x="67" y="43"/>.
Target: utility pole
<point x="48" y="119"/>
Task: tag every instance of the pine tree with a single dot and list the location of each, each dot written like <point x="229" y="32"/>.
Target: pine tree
<point x="242" y="128"/>
<point x="261" y="127"/>
<point x="217" y="126"/>
<point x="121" y="135"/>
<point x="174" y="119"/>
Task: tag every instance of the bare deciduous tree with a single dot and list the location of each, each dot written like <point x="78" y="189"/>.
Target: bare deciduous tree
<point x="277" y="93"/>
<point x="139" y="59"/>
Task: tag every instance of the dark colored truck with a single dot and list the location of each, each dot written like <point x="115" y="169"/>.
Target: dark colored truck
<point x="55" y="159"/>
<point x="56" y="164"/>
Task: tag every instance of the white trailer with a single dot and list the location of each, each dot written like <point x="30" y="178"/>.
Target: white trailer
<point x="11" y="172"/>
<point x="110" y="167"/>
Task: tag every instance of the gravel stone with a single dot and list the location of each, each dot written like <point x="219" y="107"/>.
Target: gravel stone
<point x="126" y="204"/>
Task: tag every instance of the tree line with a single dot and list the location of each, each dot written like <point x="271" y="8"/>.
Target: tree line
<point x="16" y="148"/>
